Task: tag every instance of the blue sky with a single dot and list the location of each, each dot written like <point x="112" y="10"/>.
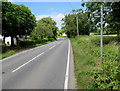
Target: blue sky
<point x="55" y="10"/>
<point x="42" y="8"/>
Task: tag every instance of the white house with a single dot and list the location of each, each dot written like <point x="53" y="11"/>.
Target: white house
<point x="1" y="38"/>
<point x="7" y="39"/>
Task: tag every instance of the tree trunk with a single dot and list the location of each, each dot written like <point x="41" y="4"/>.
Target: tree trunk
<point x="17" y="41"/>
<point x="4" y="48"/>
<point x="4" y="40"/>
<point x="12" y="41"/>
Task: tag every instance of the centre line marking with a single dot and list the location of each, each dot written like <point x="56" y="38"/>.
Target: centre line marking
<point x="52" y="47"/>
<point x="27" y="62"/>
<point x="67" y="69"/>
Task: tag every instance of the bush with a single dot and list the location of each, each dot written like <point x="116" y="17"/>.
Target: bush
<point x="51" y="39"/>
<point x="43" y="40"/>
<point x="38" y="41"/>
<point x="106" y="40"/>
<point x="26" y="43"/>
<point x="34" y="42"/>
<point x="108" y="76"/>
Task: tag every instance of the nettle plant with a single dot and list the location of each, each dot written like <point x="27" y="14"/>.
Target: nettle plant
<point x="108" y="77"/>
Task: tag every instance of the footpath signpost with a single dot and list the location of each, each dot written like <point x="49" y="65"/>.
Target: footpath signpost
<point x="101" y="35"/>
<point x="100" y="15"/>
<point x="97" y="15"/>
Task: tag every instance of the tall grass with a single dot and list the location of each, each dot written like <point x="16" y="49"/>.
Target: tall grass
<point x="86" y="52"/>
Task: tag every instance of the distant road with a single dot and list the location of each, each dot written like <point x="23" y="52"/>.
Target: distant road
<point x="45" y="67"/>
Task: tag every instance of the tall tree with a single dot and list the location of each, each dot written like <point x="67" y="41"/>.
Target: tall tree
<point x="116" y="19"/>
<point x="0" y="17"/>
<point x="110" y="17"/>
<point x="46" y="27"/>
<point x="70" y="23"/>
<point x="17" y="20"/>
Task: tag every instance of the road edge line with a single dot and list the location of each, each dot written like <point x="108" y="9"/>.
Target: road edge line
<point x="67" y="68"/>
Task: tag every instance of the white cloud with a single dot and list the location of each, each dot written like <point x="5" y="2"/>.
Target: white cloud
<point x="55" y="17"/>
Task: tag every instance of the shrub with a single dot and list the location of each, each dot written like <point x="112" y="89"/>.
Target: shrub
<point x="33" y="42"/>
<point x="26" y="43"/>
<point x="38" y="41"/>
<point x="106" y="40"/>
<point x="108" y="76"/>
<point x="51" y="39"/>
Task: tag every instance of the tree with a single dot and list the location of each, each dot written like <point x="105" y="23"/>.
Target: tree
<point x="70" y="24"/>
<point x="60" y="32"/>
<point x="0" y="17"/>
<point x="17" y="20"/>
<point x="46" y="27"/>
<point x="92" y="8"/>
<point x="116" y="19"/>
<point x="116" y="16"/>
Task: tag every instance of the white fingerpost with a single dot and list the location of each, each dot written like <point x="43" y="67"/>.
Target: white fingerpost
<point x="101" y="37"/>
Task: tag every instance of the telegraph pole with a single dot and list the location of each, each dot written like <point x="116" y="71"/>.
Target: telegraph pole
<point x="77" y="25"/>
<point x="76" y="22"/>
<point x="101" y="37"/>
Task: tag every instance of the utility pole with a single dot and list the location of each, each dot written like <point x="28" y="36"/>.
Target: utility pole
<point x="101" y="37"/>
<point x="75" y="13"/>
<point x="77" y="25"/>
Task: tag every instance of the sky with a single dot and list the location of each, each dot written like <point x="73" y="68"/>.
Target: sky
<point x="55" y="10"/>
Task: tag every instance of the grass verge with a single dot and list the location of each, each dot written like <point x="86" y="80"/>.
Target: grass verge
<point x="7" y="54"/>
<point x="86" y="57"/>
<point x="13" y="50"/>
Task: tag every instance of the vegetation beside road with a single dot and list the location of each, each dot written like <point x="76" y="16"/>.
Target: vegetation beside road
<point x="24" y="45"/>
<point x="19" y="23"/>
<point x="89" y="73"/>
<point x="24" y="30"/>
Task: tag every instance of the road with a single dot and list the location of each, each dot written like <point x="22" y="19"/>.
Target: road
<point x="46" y="67"/>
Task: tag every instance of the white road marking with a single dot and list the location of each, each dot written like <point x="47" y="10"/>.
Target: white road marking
<point x="27" y="62"/>
<point x="67" y="68"/>
<point x="23" y="52"/>
<point x="52" y="47"/>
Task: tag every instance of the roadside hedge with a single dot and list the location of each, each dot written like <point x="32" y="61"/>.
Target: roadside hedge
<point x="32" y="43"/>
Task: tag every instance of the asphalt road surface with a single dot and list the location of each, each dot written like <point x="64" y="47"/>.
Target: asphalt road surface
<point x="46" y="67"/>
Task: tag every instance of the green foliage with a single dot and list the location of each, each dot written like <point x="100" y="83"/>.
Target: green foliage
<point x="88" y="70"/>
<point x="85" y="61"/>
<point x="8" y="53"/>
<point x="33" y="43"/>
<point x="106" y="40"/>
<point x="46" y="28"/>
<point x="112" y="18"/>
<point x="109" y="30"/>
<point x="26" y="43"/>
<point x="0" y="18"/>
<point x="70" y="23"/>
<point x="90" y="62"/>
<point x="60" y="32"/>
<point x="116" y="11"/>
<point x="16" y="20"/>
<point x="8" y="50"/>
<point x="108" y="76"/>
